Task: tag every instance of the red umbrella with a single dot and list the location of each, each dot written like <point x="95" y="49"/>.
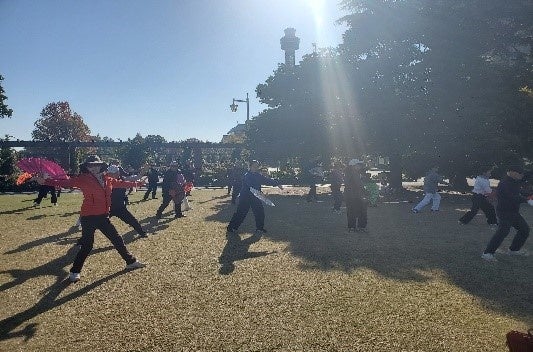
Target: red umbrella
<point x="42" y="166"/>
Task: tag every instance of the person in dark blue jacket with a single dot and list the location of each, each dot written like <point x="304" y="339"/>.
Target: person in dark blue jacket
<point x="253" y="178"/>
<point x="507" y="210"/>
<point x="118" y="203"/>
<point x="153" y="180"/>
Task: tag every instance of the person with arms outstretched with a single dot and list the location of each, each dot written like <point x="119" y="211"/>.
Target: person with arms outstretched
<point x="252" y="179"/>
<point x="96" y="187"/>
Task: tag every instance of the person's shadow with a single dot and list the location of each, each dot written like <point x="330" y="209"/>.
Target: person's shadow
<point x="237" y="249"/>
<point x="51" y="295"/>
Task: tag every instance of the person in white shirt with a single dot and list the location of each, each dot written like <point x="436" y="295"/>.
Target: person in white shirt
<point x="480" y="193"/>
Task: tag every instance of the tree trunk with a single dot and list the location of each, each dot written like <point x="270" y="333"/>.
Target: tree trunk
<point x="395" y="177"/>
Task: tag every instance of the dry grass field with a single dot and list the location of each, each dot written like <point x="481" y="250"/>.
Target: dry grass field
<point x="414" y="282"/>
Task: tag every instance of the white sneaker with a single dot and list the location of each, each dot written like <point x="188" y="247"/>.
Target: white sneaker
<point x="489" y="257"/>
<point x="135" y="265"/>
<point x="74" y="277"/>
<point x="521" y="253"/>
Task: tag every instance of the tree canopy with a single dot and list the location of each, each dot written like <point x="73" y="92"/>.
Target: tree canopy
<point x="5" y="111"/>
<point x="421" y="81"/>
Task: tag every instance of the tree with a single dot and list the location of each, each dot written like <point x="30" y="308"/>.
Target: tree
<point x="135" y="153"/>
<point x="421" y="81"/>
<point x="155" y="150"/>
<point x="59" y="123"/>
<point x="4" y="110"/>
<point x="7" y="166"/>
<point x="453" y="100"/>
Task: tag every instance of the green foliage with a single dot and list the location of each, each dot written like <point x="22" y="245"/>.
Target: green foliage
<point x="58" y="123"/>
<point x="421" y="81"/>
<point x="7" y="167"/>
<point x="5" y="111"/>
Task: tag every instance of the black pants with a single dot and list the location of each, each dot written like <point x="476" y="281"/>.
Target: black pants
<point x="166" y="201"/>
<point x="245" y="203"/>
<point x="89" y="224"/>
<point x="152" y="187"/>
<point x="505" y="222"/>
<point x="356" y="212"/>
<point x="337" y="196"/>
<point x="479" y="201"/>
<point x="125" y="215"/>
<point x="236" y="190"/>
<point x="312" y="196"/>
<point x="43" y="191"/>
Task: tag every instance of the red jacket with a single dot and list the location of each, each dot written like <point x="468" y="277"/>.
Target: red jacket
<point x="96" y="199"/>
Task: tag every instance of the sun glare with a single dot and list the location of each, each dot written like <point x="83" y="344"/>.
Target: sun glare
<point x="317" y="7"/>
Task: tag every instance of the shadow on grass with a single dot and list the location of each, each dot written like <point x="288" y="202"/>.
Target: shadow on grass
<point x="16" y="211"/>
<point x="238" y="249"/>
<point x="40" y="241"/>
<point x="398" y="245"/>
<point x="149" y="224"/>
<point x="49" y="300"/>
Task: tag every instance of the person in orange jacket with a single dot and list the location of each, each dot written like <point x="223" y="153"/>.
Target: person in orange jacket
<point x="96" y="187"/>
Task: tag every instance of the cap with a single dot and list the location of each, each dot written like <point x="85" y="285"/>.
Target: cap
<point x="93" y="160"/>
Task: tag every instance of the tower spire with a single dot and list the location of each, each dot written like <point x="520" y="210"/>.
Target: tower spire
<point x="290" y="43"/>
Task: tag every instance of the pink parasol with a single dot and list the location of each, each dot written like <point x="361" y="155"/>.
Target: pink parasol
<point x="42" y="166"/>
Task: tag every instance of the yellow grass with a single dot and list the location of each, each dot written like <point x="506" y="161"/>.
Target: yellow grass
<point x="412" y="283"/>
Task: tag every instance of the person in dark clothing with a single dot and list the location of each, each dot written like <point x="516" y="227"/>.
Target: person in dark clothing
<point x="336" y="179"/>
<point x="229" y="178"/>
<point x="172" y="187"/>
<point x="354" y="192"/>
<point x="252" y="179"/>
<point x="43" y="191"/>
<point x="122" y="173"/>
<point x="507" y="210"/>
<point x="189" y="172"/>
<point x="118" y="205"/>
<point x="236" y="181"/>
<point x="315" y="174"/>
<point x="153" y="180"/>
<point x="480" y="200"/>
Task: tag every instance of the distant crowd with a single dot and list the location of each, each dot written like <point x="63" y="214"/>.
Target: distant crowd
<point x="106" y="187"/>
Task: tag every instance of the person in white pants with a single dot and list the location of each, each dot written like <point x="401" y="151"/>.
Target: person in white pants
<point x="431" y="182"/>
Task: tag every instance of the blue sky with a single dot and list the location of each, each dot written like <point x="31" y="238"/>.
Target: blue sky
<point x="155" y="67"/>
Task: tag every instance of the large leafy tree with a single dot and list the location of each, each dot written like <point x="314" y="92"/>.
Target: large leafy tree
<point x="155" y="149"/>
<point x="5" y="111"/>
<point x="478" y="60"/>
<point x="135" y="153"/>
<point x="58" y="123"/>
<point x="424" y="82"/>
<point x="7" y="166"/>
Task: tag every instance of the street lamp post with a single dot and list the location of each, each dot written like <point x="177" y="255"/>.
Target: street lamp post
<point x="234" y="106"/>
